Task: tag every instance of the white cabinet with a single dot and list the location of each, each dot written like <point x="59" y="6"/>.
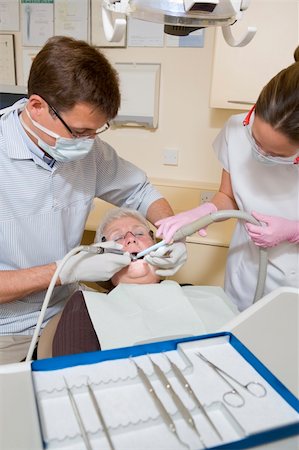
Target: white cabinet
<point x="239" y="74"/>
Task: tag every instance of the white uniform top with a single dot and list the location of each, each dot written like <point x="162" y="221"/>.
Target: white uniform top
<point x="268" y="189"/>
<point x="43" y="209"/>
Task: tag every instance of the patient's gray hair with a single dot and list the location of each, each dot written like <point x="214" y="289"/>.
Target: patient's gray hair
<point x="118" y="213"/>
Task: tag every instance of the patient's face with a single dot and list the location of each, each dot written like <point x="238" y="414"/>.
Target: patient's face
<point x="134" y="237"/>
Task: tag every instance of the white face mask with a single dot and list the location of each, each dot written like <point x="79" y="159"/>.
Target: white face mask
<point x="272" y="160"/>
<point x="65" y="149"/>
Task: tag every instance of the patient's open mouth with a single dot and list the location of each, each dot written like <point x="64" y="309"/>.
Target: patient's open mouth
<point x="133" y="256"/>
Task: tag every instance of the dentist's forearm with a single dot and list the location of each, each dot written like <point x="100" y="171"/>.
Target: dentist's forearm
<point x="17" y="284"/>
<point x="159" y="209"/>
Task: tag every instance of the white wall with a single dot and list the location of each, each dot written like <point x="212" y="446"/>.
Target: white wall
<point x="186" y="122"/>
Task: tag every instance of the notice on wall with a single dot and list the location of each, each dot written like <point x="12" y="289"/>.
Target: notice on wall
<point x="145" y="34"/>
<point x="72" y="18"/>
<point x="37" y="18"/>
<point x="9" y="15"/>
<point x="7" y="60"/>
<point x="29" y="53"/>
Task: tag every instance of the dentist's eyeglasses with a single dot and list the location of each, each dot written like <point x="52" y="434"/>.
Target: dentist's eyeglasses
<point x="86" y="134"/>
<point x="139" y="233"/>
<point x="258" y="150"/>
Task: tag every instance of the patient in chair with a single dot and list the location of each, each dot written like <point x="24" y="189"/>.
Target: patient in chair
<point x="76" y="332"/>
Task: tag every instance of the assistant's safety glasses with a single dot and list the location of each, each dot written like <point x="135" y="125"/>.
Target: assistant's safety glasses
<point x="87" y="135"/>
<point x="258" y="149"/>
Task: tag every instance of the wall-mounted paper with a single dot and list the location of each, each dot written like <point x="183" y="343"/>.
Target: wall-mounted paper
<point x="140" y="89"/>
<point x="28" y="56"/>
<point x="145" y="34"/>
<point x="7" y="60"/>
<point x="9" y="15"/>
<point x="37" y="21"/>
<point x="72" y="18"/>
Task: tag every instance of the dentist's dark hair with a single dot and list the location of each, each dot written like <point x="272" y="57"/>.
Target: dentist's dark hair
<point x="278" y="102"/>
<point x="67" y="71"/>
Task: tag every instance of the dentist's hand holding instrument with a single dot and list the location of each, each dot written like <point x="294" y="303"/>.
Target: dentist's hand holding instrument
<point x="169" y="258"/>
<point x="98" y="263"/>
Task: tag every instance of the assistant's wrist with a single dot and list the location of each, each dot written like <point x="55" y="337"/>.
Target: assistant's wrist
<point x="294" y="232"/>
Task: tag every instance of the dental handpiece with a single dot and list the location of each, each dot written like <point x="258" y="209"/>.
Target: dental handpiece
<point x="101" y="250"/>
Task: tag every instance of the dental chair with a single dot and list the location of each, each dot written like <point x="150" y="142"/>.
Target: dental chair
<point x="44" y="346"/>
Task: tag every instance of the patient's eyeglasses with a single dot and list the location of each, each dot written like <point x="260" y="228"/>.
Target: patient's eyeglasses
<point x="139" y="233"/>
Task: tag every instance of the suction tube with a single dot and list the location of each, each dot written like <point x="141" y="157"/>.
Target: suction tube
<point x="204" y="221"/>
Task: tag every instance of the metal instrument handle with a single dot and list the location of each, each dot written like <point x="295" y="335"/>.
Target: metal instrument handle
<point x="184" y="382"/>
<point x="164" y="413"/>
<point x="100" y="415"/>
<point x="78" y="417"/>
<point x="178" y="402"/>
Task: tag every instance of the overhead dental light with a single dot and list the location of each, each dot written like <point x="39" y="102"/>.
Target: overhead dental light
<point x="180" y="17"/>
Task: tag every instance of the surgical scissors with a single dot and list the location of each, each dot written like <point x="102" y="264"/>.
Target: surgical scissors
<point x="233" y="397"/>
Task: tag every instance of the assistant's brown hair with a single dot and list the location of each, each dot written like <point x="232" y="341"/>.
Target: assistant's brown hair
<point x="278" y="102"/>
<point x="67" y="71"/>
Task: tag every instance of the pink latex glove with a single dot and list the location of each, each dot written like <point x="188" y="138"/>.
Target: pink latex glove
<point x="168" y="226"/>
<point x="277" y="230"/>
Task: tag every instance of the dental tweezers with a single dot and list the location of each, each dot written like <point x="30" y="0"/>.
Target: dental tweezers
<point x="163" y="411"/>
<point x="178" y="402"/>
<point x="184" y="382"/>
<point x="78" y="417"/>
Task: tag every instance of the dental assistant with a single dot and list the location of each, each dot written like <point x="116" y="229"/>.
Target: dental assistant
<point x="53" y="163"/>
<point x="259" y="153"/>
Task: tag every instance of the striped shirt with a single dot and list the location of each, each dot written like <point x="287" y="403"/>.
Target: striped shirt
<point x="43" y="210"/>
